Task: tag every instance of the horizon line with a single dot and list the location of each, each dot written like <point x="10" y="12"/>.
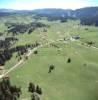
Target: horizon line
<point x="49" y="8"/>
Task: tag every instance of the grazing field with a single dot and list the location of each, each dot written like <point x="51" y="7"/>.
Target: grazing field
<point x="74" y="80"/>
<point x="77" y="80"/>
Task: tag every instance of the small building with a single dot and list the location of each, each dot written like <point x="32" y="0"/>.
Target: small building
<point x="76" y="37"/>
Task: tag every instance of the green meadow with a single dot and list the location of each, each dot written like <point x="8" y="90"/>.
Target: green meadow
<point x="77" y="80"/>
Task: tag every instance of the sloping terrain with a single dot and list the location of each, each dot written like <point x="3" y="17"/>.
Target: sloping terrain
<point x="69" y="46"/>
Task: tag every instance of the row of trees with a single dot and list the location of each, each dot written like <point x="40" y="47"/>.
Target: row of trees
<point x="6" y="54"/>
<point x="8" y="91"/>
<point x="90" y="43"/>
<point x="22" y="28"/>
<point x="7" y="42"/>
<point x="35" y="91"/>
<point x="90" y="21"/>
<point x="53" y="17"/>
<point x="12" y="92"/>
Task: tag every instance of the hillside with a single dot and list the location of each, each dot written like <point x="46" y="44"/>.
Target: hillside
<point x="48" y="54"/>
<point x="88" y="15"/>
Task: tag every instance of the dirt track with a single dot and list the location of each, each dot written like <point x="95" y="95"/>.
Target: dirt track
<point x="32" y="51"/>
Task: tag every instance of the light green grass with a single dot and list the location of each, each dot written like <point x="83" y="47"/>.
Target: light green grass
<point x="75" y="81"/>
<point x="72" y="81"/>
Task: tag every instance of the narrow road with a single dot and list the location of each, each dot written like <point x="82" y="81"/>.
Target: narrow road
<point x="87" y="46"/>
<point x="32" y="51"/>
<point x="19" y="63"/>
<point x="22" y="60"/>
<point x="12" y="68"/>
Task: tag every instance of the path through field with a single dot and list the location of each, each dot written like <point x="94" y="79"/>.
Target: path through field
<point x="22" y="60"/>
<point x="32" y="51"/>
<point x="19" y="63"/>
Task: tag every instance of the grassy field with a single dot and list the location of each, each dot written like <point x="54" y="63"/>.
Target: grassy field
<point x="77" y="80"/>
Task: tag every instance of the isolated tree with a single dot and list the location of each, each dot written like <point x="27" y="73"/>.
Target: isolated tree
<point x="36" y="52"/>
<point x="31" y="87"/>
<point x="90" y="43"/>
<point x="26" y="57"/>
<point x="69" y="60"/>
<point x="51" y="67"/>
<point x="38" y="90"/>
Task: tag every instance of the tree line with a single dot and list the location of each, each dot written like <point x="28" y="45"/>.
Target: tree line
<point x="13" y="92"/>
<point x="16" y="28"/>
<point x="7" y="53"/>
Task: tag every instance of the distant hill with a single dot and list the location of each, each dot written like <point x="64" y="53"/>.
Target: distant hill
<point x="54" y="12"/>
<point x="86" y="12"/>
<point x="88" y="15"/>
<point x="6" y="10"/>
